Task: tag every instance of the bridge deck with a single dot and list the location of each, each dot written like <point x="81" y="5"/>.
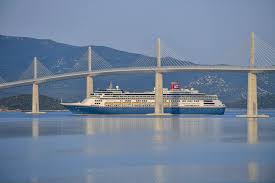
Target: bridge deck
<point x="138" y="70"/>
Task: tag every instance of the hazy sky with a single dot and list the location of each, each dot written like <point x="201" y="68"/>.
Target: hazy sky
<point x="203" y="30"/>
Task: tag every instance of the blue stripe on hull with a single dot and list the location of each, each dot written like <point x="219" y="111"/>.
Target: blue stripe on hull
<point x="141" y="110"/>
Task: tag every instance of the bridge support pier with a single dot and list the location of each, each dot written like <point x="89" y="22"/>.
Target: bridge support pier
<point x="89" y="86"/>
<point x="89" y="78"/>
<point x="35" y="91"/>
<point x="159" y="107"/>
<point x="252" y="103"/>
<point x="35" y="98"/>
<point x="159" y="94"/>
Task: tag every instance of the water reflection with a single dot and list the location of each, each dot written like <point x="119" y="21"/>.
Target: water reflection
<point x="188" y="129"/>
<point x="159" y="174"/>
<point x="174" y="128"/>
<point x="158" y="129"/>
<point x="89" y="177"/>
<point x="148" y="149"/>
<point x="252" y="131"/>
<point x="197" y="128"/>
<point x="89" y="127"/>
<point x="252" y="168"/>
<point x="35" y="127"/>
<point x="34" y="180"/>
<point x="252" y="138"/>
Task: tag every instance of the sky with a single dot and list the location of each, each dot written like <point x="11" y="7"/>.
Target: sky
<point x="204" y="31"/>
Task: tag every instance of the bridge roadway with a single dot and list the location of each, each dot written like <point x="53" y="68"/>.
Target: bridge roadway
<point x="163" y="69"/>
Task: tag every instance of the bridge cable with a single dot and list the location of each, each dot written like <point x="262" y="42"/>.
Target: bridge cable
<point x="43" y="71"/>
<point x="98" y="63"/>
<point x="28" y="73"/>
<point x="265" y="53"/>
<point x="2" y="81"/>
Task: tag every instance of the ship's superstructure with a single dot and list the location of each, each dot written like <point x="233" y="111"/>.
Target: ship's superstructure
<point x="176" y="100"/>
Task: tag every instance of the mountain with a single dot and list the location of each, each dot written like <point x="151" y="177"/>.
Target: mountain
<point x="17" y="54"/>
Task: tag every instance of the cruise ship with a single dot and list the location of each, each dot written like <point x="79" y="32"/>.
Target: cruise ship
<point x="176" y="100"/>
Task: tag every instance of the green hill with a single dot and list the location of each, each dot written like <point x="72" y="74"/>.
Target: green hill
<point x="24" y="102"/>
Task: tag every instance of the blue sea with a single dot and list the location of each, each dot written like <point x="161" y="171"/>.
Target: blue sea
<point x="59" y="147"/>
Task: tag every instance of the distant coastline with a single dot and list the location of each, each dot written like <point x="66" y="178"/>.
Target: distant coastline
<point x="24" y="103"/>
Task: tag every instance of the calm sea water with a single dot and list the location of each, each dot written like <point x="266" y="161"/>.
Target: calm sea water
<point x="60" y="147"/>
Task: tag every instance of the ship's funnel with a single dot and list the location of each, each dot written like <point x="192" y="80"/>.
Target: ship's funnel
<point x="175" y="86"/>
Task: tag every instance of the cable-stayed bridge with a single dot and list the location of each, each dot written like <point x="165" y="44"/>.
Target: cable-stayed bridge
<point x="261" y="59"/>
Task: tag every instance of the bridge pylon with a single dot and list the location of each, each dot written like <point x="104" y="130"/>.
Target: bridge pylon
<point x="159" y="107"/>
<point x="89" y="78"/>
<point x="252" y="103"/>
<point x="35" y="91"/>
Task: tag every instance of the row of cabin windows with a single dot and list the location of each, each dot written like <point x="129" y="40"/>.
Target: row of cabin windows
<point x="147" y="101"/>
<point x="166" y="101"/>
<point x="152" y="97"/>
<point x="183" y="100"/>
<point x="146" y="94"/>
<point x="140" y="100"/>
<point x="118" y="105"/>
